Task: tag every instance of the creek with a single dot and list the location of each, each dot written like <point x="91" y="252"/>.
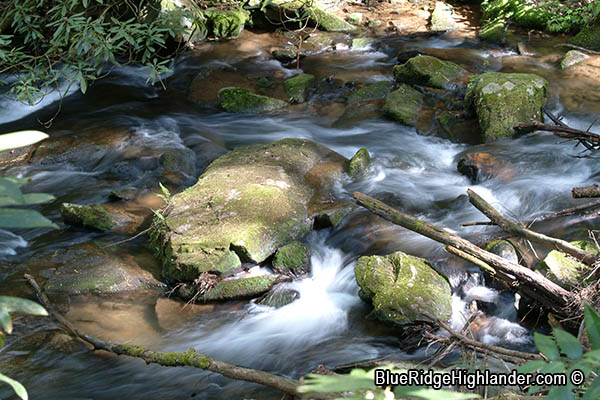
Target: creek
<point x="327" y="324"/>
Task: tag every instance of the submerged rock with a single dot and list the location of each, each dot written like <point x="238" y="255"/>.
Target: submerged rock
<point x="404" y="104"/>
<point x="571" y="58"/>
<point x="429" y="71"/>
<point x="279" y="297"/>
<point x="297" y="88"/>
<point x="479" y="166"/>
<point x="501" y="101"/>
<point x="292" y="259"/>
<point x="403" y="289"/>
<point x="242" y="100"/>
<point x="442" y="18"/>
<point x="246" y="205"/>
<point x="106" y="218"/>
<point x="359" y="163"/>
<point x="333" y="216"/>
<point x="566" y="270"/>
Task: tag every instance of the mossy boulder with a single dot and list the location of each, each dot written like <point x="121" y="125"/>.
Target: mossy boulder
<point x="571" y="58"/>
<point x="429" y="71"/>
<point x="501" y="101"/>
<point x="566" y="270"/>
<point x="298" y="87"/>
<point x="403" y="288"/>
<point x="374" y="91"/>
<point x="93" y="216"/>
<point x="283" y="11"/>
<point x="588" y="38"/>
<point x="359" y="163"/>
<point x="228" y="23"/>
<point x="494" y="31"/>
<point x="403" y="105"/>
<point x="442" y="18"/>
<point x="329" y="22"/>
<point x="292" y="259"/>
<point x="242" y="100"/>
<point x="246" y="205"/>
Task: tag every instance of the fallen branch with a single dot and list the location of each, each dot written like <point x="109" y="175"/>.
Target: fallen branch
<point x="530" y="283"/>
<point x="586" y="191"/>
<point x="589" y="140"/>
<point x="517" y="229"/>
<point x="175" y="359"/>
<point x="578" y="48"/>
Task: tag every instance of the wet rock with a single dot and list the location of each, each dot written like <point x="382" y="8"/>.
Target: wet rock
<point x="242" y="100"/>
<point x="105" y="218"/>
<point x="566" y="270"/>
<point x="572" y="58"/>
<point x="298" y="87"/>
<point x="234" y="288"/>
<point x="226" y="24"/>
<point x="247" y="204"/>
<point x="403" y="105"/>
<point x="359" y="163"/>
<point x="332" y="217"/>
<point x="362" y="42"/>
<point x="479" y="166"/>
<point x="406" y="55"/>
<point x="494" y="32"/>
<point x="329" y="22"/>
<point x="442" y="18"/>
<point x="279" y="297"/>
<point x="504" y="249"/>
<point x="178" y="167"/>
<point x="370" y="92"/>
<point x="402" y="288"/>
<point x="285" y="54"/>
<point x="88" y="268"/>
<point x="588" y="38"/>
<point x="430" y="71"/>
<point x="364" y="103"/>
<point x="459" y="127"/>
<point x="501" y="101"/>
<point x="292" y="259"/>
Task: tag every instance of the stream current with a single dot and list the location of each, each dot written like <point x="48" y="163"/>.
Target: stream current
<point x="327" y="324"/>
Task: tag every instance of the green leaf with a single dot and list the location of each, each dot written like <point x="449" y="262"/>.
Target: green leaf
<point x="431" y="394"/>
<point x="568" y="344"/>
<point x="560" y="393"/>
<point x="17" y="387"/>
<point x="553" y="368"/>
<point x="546" y="346"/>
<point x="10" y="192"/>
<point x="531" y="366"/>
<point x="1" y="339"/>
<point x="16" y="304"/>
<point x="593" y="392"/>
<point x="17" y="218"/>
<point x="592" y="326"/>
<point x="37" y="198"/>
<point x="15" y="140"/>
<point x="164" y="190"/>
<point x="5" y="321"/>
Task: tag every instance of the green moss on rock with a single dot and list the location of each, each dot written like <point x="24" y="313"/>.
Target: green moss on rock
<point x="501" y="101"/>
<point x="572" y="58"/>
<point x="240" y="288"/>
<point x="494" y="31"/>
<point x="429" y="71"/>
<point x="92" y="216"/>
<point x="370" y="92"/>
<point x="242" y="100"/>
<point x="359" y="163"/>
<point x="403" y="105"/>
<point x="566" y="270"/>
<point x="226" y="24"/>
<point x="292" y="259"/>
<point x="298" y="87"/>
<point x="246" y="205"/>
<point x="403" y="289"/>
<point x="588" y="38"/>
<point x="329" y="22"/>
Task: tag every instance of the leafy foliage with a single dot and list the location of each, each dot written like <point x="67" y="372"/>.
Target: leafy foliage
<point x="565" y="354"/>
<point x="46" y="42"/>
<point x="361" y="384"/>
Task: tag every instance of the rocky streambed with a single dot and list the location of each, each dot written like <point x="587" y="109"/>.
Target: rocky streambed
<point x="256" y="224"/>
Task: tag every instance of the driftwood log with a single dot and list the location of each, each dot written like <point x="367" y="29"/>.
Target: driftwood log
<point x="586" y="191"/>
<point x="561" y="302"/>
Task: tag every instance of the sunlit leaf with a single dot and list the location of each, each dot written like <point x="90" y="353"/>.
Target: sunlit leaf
<point x="22" y="219"/>
<point x="14" y="140"/>
<point x="336" y="383"/>
<point x="17" y="387"/>
<point x="5" y="321"/>
<point x="16" y="304"/>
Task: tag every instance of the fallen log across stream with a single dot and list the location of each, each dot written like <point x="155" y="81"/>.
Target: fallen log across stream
<point x="561" y="302"/>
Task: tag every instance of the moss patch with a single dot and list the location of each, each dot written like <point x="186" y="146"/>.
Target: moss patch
<point x="226" y="24"/>
<point x="403" y="105"/>
<point x="370" y="92"/>
<point x="231" y="289"/>
<point x="501" y="101"/>
<point x="359" y="163"/>
<point x="242" y="100"/>
<point x="566" y="270"/>
<point x="292" y="259"/>
<point x="429" y="71"/>
<point x="329" y="22"/>
<point x="403" y="288"/>
<point x="297" y="88"/>
<point x="588" y="38"/>
<point x="92" y="216"/>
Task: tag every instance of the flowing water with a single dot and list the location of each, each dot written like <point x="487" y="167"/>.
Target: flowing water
<point x="328" y="324"/>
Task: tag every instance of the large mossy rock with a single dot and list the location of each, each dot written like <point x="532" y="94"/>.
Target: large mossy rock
<point x="403" y="289"/>
<point x="292" y="259"/>
<point x="286" y="12"/>
<point x="588" y="38"/>
<point x="246" y="205"/>
<point x="297" y="88"/>
<point x="429" y="71"/>
<point x="359" y="163"/>
<point x="242" y="100"/>
<point x="403" y="105"/>
<point x="501" y="101"/>
<point x="566" y="270"/>
<point x="226" y="24"/>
